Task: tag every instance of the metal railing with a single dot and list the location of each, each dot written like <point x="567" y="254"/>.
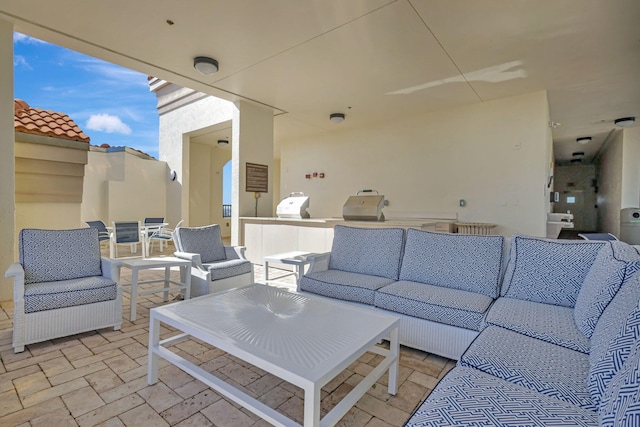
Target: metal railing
<point x="226" y="211"/>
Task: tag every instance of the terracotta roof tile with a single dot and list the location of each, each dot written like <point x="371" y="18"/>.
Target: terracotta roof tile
<point x="46" y="122"/>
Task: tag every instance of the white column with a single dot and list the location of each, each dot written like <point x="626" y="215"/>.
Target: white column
<point x="7" y="168"/>
<point x="252" y="142"/>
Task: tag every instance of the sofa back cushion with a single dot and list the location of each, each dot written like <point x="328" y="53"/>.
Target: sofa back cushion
<point x="373" y="251"/>
<point x="616" y="331"/>
<point x="548" y="271"/>
<point x="467" y="262"/>
<point x="615" y="263"/>
<point x="206" y="241"/>
<point x="53" y="255"/>
<point x="620" y="405"/>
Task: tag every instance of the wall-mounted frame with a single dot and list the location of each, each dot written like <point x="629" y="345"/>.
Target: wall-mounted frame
<point x="257" y="178"/>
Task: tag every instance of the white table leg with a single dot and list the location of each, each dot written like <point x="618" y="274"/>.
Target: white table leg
<point x="185" y="273"/>
<point x="312" y="406"/>
<point x="134" y="293"/>
<point x="394" y="350"/>
<point x="266" y="272"/>
<point x="167" y="278"/>
<point x="154" y="342"/>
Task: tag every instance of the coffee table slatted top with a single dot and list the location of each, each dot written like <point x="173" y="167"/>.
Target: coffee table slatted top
<point x="303" y="335"/>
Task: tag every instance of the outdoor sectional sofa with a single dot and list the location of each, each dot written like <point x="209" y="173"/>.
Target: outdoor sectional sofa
<point x="546" y="332"/>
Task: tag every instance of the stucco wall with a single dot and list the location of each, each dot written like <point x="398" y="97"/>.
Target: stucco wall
<point x="495" y="155"/>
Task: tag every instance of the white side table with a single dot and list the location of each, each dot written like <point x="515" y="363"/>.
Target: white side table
<point x="296" y="258"/>
<point x="137" y="264"/>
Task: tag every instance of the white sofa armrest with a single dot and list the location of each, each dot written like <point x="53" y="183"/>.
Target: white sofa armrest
<point x="16" y="271"/>
<point x="196" y="260"/>
<point x="318" y="262"/>
<point x="110" y="268"/>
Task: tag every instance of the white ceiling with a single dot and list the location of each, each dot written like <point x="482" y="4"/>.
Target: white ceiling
<point x="374" y="60"/>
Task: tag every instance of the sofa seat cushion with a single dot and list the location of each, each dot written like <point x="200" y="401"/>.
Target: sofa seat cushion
<point x="466" y="262"/>
<point x="56" y="255"/>
<point x="546" y="322"/>
<point x="548" y="271"/>
<point x="615" y="263"/>
<point x="468" y="397"/>
<point x="229" y="268"/>
<point x="67" y="293"/>
<point x="374" y="251"/>
<point x="344" y="285"/>
<point x="436" y="303"/>
<point x="541" y="366"/>
<point x="613" y="339"/>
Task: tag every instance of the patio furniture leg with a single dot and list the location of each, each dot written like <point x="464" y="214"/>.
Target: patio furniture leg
<point x="134" y="293"/>
<point x="394" y="349"/>
<point x="154" y="344"/>
<point x="167" y="278"/>
<point x="312" y="406"/>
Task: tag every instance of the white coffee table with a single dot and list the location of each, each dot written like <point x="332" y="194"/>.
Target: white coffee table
<point x="137" y="264"/>
<point x="303" y="339"/>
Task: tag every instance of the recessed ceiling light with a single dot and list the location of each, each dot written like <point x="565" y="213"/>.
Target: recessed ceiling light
<point x="578" y="153"/>
<point x="223" y="142"/>
<point x="625" y="121"/>
<point x="337" y="117"/>
<point x="205" y="65"/>
<point x="584" y="140"/>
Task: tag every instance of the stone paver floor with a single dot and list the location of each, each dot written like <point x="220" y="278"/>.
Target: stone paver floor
<point x="99" y="378"/>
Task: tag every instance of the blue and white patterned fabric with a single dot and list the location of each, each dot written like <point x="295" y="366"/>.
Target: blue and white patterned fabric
<point x="372" y="251"/>
<point x="466" y="262"/>
<point x="67" y="293"/>
<point x="54" y="255"/>
<point x="546" y="322"/>
<point x="548" y="271"/>
<point x="436" y="303"/>
<point x="613" y="339"/>
<point x="615" y="263"/>
<point x="228" y="268"/>
<point x="529" y="362"/>
<point x="621" y="402"/>
<point x="206" y="241"/>
<point x="467" y="397"/>
<point x="343" y="285"/>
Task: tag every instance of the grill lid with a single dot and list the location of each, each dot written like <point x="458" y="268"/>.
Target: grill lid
<point x="294" y="206"/>
<point x="364" y="207"/>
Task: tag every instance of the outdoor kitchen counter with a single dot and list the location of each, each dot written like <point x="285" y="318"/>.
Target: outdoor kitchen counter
<point x="264" y="236"/>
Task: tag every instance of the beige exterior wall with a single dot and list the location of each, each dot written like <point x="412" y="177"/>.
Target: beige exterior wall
<point x="121" y="186"/>
<point x="495" y="155"/>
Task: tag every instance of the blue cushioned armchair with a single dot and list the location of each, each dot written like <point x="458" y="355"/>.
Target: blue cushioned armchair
<point x="214" y="267"/>
<point x="62" y="286"/>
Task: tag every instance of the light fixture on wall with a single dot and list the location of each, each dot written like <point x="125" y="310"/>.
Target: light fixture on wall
<point x="173" y="175"/>
<point x="625" y="121"/>
<point x="584" y="140"/>
<point x="205" y="65"/>
<point x="223" y="142"/>
<point x="337" y="117"/>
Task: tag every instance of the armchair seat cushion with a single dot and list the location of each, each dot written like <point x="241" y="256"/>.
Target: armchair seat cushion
<point x="468" y="397"/>
<point x="67" y="293"/>
<point x="344" y="285"/>
<point x="228" y="268"/>
<point x="436" y="303"/>
<point x="546" y="322"/>
<point x="538" y="365"/>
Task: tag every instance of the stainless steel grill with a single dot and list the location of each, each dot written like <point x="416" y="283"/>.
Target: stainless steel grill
<point x="364" y="207"/>
<point x="294" y="206"/>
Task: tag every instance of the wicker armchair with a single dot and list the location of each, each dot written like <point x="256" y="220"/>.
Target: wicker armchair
<point x="214" y="267"/>
<point x="62" y="286"/>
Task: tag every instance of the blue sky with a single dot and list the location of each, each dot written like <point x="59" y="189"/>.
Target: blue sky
<point x="111" y="104"/>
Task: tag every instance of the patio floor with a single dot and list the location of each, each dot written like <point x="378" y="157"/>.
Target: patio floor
<point x="100" y="378"/>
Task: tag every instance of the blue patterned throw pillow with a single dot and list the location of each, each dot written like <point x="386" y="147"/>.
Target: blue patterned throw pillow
<point x="53" y="255"/>
<point x="373" y="251"/>
<point x="548" y="271"/>
<point x="206" y="241"/>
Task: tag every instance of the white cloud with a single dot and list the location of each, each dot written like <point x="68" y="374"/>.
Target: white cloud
<point x="22" y="38"/>
<point x="21" y="61"/>
<point x="107" y="123"/>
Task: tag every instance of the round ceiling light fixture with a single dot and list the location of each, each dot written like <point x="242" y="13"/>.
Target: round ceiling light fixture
<point x="578" y="153"/>
<point x="223" y="142"/>
<point x="337" y="117"/>
<point x="625" y="121"/>
<point x="205" y="65"/>
<point x="584" y="140"/>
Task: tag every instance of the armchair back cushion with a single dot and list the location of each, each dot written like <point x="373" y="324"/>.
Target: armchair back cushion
<point x="206" y="241"/>
<point x="372" y="251"/>
<point x="548" y="271"/>
<point x="53" y="255"/>
<point x="459" y="261"/>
